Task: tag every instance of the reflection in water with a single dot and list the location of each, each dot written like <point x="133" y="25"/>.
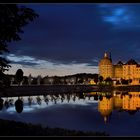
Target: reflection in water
<point x="30" y="100"/>
<point x="107" y="102"/>
<point x="121" y="101"/>
<point x="1" y="103"/>
<point x="19" y="105"/>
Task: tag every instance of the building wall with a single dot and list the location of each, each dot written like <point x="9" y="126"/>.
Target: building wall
<point x="131" y="103"/>
<point x="118" y="71"/>
<point x="129" y="71"/>
<point x="106" y="71"/>
<point x="105" y="104"/>
<point x="125" y="71"/>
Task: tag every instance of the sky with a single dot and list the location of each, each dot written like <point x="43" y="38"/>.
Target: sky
<point x="71" y="38"/>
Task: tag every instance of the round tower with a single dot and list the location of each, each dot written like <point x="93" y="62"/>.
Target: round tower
<point x="105" y="108"/>
<point x="106" y="67"/>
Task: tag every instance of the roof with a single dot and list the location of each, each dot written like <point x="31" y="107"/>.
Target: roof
<point x="131" y="62"/>
<point x="105" y="112"/>
<point x="105" y="61"/>
<point x="120" y="63"/>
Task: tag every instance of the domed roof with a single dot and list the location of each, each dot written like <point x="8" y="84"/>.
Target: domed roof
<point x="131" y="62"/>
<point x="105" y="112"/>
<point x="117" y="105"/>
<point x="105" y="61"/>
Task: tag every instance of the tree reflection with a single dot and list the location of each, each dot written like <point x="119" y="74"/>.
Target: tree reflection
<point x="6" y="104"/>
<point x="62" y="97"/>
<point x="19" y="105"/>
<point x="1" y="103"/>
<point x="68" y="97"/>
<point x="74" y="97"/>
<point x="30" y="100"/>
<point x="46" y="99"/>
<point x="100" y="97"/>
<point x="11" y="102"/>
<point x="132" y="112"/>
<point x="81" y="96"/>
<point x="38" y="100"/>
<point x="95" y="97"/>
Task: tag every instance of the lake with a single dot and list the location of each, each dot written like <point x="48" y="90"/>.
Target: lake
<point x="116" y="113"/>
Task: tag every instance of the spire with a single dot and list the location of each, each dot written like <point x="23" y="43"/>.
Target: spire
<point x="105" y="55"/>
<point x="105" y="119"/>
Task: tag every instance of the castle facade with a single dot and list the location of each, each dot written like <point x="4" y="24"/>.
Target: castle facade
<point x="127" y="71"/>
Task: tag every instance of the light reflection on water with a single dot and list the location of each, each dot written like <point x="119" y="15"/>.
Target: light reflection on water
<point x="116" y="113"/>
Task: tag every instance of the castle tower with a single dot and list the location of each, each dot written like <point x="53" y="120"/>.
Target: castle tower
<point x="105" y="108"/>
<point x="106" y="67"/>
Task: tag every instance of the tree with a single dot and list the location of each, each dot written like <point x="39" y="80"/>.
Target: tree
<point x="101" y="78"/>
<point x="19" y="76"/>
<point x="96" y="80"/>
<point x="12" y="19"/>
<point x="108" y="80"/>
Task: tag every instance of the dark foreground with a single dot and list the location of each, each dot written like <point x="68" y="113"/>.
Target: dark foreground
<point x="13" y="128"/>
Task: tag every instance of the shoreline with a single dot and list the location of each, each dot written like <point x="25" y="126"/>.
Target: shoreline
<point x="29" y="129"/>
<point x="14" y="91"/>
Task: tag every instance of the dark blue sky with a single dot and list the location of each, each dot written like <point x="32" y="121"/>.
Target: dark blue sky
<point x="72" y="38"/>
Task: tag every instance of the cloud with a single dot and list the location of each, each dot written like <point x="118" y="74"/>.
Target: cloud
<point x="67" y="34"/>
<point x="121" y="16"/>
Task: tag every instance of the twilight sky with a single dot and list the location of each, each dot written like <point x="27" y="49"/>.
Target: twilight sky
<point x="72" y="38"/>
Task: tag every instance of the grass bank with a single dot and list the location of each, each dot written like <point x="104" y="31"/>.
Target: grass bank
<point x="13" y="128"/>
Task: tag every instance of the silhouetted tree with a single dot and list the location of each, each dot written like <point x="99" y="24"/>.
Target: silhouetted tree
<point x="19" y="105"/>
<point x="96" y="97"/>
<point x="38" y="99"/>
<point x="130" y="81"/>
<point x="96" y="78"/>
<point x="6" y="104"/>
<point x="5" y="80"/>
<point x="19" y="76"/>
<point x="101" y="78"/>
<point x="108" y="96"/>
<point x="108" y="80"/>
<point x="12" y="19"/>
<point x="25" y="80"/>
<point x="123" y="81"/>
<point x="81" y="95"/>
<point x="100" y="97"/>
<point x="132" y="112"/>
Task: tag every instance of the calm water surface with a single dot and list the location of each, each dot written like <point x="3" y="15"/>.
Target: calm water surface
<point x="115" y="113"/>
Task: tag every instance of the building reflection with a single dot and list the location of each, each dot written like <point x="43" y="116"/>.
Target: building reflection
<point x="105" y="107"/>
<point x="107" y="102"/>
<point x="121" y="101"/>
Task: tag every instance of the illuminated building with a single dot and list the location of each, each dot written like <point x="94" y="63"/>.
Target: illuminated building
<point x="129" y="102"/>
<point x="105" y="107"/>
<point x="106" y="67"/>
<point x="117" y="101"/>
<point x="129" y="70"/>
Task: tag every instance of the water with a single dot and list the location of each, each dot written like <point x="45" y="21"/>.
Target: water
<point x="115" y="113"/>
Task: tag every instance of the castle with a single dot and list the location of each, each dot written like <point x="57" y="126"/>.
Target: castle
<point x="129" y="102"/>
<point x="127" y="71"/>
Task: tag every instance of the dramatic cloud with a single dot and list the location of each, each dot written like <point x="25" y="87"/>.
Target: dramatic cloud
<point x="67" y="34"/>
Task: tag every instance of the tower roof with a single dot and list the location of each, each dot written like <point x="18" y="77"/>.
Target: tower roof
<point x="120" y="63"/>
<point x="131" y="62"/>
<point x="105" y="60"/>
<point x="105" y="55"/>
<point x="105" y="112"/>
